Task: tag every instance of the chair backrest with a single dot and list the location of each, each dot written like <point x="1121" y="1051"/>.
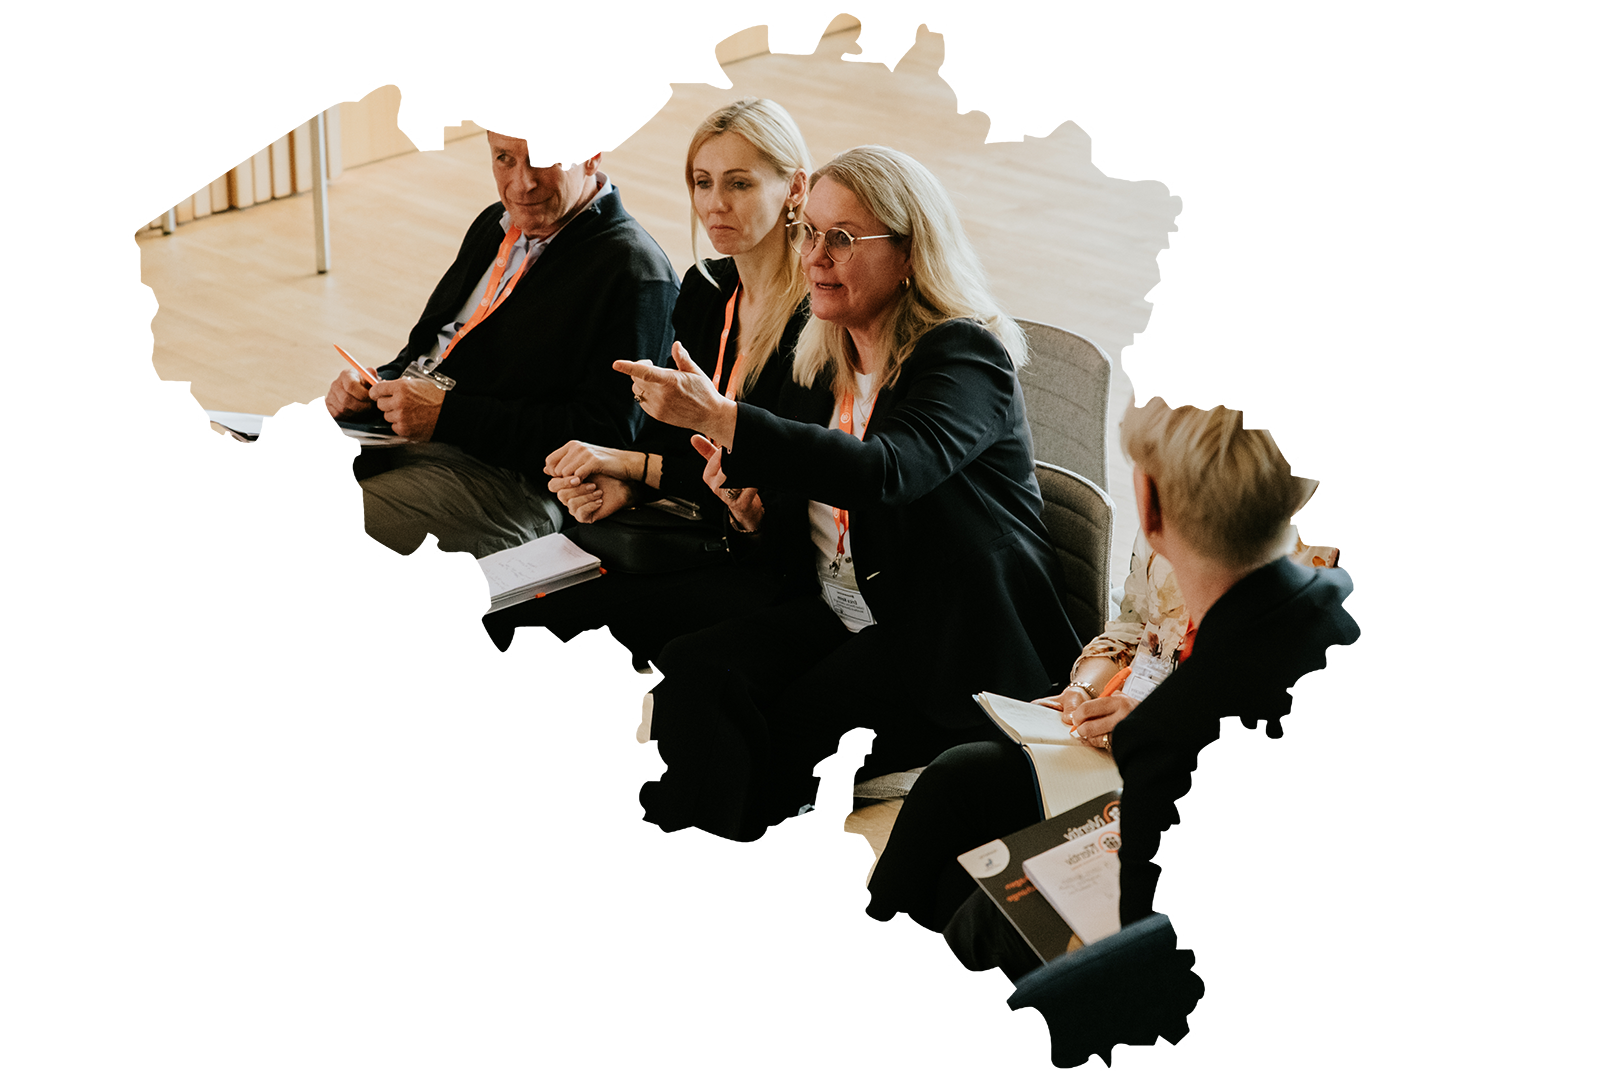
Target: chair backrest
<point x="1172" y="994"/>
<point x="1066" y="395"/>
<point x="1079" y="517"/>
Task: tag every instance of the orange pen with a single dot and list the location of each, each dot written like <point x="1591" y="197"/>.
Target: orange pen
<point x="1115" y="683"/>
<point x="370" y="377"/>
<point x="1109" y="690"/>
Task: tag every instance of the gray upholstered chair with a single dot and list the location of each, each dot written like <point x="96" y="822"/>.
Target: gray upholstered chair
<point x="1066" y="394"/>
<point x="1079" y="516"/>
<point x="1188" y="988"/>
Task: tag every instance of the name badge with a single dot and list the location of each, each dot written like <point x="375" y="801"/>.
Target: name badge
<point x="839" y="592"/>
<point x="1154" y="661"/>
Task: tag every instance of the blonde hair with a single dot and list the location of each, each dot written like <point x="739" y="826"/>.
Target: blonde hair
<point x="947" y="279"/>
<point x="1296" y="272"/>
<point x="770" y="130"/>
<point x="1228" y="489"/>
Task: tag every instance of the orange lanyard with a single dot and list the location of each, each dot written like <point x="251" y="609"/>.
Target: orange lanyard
<point x="846" y="424"/>
<point x="464" y="1040"/>
<point x="720" y="361"/>
<point x="1187" y="642"/>
<point x="490" y="301"/>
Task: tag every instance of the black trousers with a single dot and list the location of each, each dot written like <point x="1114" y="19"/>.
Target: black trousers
<point x="503" y="674"/>
<point x="748" y="707"/>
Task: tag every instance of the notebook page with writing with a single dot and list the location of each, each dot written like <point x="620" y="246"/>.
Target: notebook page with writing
<point x="533" y="564"/>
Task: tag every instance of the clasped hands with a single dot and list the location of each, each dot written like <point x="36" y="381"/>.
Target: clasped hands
<point x="593" y="481"/>
<point x="411" y="406"/>
<point x="1093" y="719"/>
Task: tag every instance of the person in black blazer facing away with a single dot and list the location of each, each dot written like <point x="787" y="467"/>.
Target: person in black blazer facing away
<point x="738" y="317"/>
<point x="898" y="472"/>
<point x="1215" y="500"/>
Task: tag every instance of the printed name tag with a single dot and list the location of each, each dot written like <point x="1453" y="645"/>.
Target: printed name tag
<point x="841" y="594"/>
<point x="1154" y="661"/>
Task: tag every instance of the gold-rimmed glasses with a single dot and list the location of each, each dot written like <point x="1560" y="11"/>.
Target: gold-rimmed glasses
<point x="840" y="244"/>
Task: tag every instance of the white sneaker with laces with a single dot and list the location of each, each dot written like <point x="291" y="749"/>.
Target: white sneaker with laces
<point x="702" y="962"/>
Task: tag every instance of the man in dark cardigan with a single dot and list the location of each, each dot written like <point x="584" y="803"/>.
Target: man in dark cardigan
<point x="511" y="358"/>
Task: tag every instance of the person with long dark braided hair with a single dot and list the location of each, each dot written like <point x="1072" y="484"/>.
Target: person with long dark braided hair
<point x="498" y="933"/>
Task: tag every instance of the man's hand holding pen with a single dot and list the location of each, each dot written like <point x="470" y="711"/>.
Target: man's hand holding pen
<point x="411" y="406"/>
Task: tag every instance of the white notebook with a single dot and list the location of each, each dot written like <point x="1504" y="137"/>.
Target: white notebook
<point x="536" y="568"/>
<point x="1068" y="772"/>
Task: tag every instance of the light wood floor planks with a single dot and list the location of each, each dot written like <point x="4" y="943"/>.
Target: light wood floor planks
<point x="237" y="319"/>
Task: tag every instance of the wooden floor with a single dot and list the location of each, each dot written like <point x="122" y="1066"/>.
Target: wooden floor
<point x="229" y="313"/>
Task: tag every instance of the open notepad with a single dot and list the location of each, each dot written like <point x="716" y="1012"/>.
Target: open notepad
<point x="1068" y="772"/>
<point x="536" y="568"/>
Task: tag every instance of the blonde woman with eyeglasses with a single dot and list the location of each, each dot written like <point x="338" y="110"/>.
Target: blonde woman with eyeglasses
<point x="898" y="468"/>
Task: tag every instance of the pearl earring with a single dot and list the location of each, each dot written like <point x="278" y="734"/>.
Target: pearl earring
<point x="417" y="983"/>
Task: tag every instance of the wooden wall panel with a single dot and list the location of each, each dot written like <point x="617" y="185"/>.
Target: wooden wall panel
<point x="303" y="159"/>
<point x="262" y="187"/>
<point x="281" y="167"/>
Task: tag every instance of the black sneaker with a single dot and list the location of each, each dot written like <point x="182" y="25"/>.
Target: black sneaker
<point x="344" y="946"/>
<point x="159" y="786"/>
<point x="188" y="867"/>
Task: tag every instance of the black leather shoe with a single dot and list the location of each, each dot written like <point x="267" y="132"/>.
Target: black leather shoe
<point x="344" y="946"/>
<point x="188" y="867"/>
<point x="159" y="786"/>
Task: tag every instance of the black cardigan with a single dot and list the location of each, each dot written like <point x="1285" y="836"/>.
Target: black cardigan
<point x="944" y="516"/>
<point x="1249" y="753"/>
<point x="700" y="315"/>
<point x="538" y="371"/>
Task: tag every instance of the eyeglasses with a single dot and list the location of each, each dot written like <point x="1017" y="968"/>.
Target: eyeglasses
<point x="840" y="245"/>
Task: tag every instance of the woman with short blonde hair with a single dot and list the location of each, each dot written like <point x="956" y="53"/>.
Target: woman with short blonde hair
<point x="1229" y="488"/>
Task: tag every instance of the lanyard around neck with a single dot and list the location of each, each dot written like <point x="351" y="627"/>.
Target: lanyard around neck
<point x="720" y="361"/>
<point x="489" y="302"/>
<point x="846" y="424"/>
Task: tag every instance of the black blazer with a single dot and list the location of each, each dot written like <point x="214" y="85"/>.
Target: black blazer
<point x="538" y="371"/>
<point x="699" y="317"/>
<point x="1249" y="753"/>
<point x="944" y="517"/>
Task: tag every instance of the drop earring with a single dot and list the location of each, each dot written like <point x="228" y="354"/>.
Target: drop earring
<point x="417" y="982"/>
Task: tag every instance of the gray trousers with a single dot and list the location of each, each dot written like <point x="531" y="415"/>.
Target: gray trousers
<point x="211" y="633"/>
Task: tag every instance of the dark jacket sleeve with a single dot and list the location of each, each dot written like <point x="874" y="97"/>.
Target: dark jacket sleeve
<point x="953" y="400"/>
<point x="695" y="309"/>
<point x="631" y="321"/>
<point x="478" y="249"/>
<point x="697" y="325"/>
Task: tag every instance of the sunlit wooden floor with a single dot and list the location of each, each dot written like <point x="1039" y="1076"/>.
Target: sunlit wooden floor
<point x="229" y="313"/>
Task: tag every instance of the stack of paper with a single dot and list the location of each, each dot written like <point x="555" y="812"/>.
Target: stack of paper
<point x="536" y="568"/>
<point x="1080" y="879"/>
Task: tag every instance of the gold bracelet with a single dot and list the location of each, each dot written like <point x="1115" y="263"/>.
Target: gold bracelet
<point x="1090" y="690"/>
